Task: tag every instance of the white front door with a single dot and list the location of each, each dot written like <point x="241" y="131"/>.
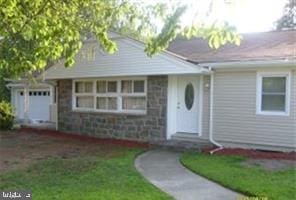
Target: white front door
<point x="188" y="104"/>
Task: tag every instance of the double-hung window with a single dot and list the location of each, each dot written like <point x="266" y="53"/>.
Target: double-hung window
<point x="111" y="95"/>
<point x="106" y="95"/>
<point x="84" y="95"/>
<point x="273" y="93"/>
<point x="133" y="95"/>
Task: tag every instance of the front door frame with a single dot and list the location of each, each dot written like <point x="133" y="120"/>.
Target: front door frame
<point x="172" y="104"/>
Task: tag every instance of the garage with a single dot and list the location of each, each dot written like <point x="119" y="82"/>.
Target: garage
<point x="38" y="105"/>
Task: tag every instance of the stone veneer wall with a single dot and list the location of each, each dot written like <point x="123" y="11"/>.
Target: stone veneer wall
<point x="149" y="127"/>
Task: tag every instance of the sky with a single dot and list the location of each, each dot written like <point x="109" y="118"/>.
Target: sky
<point x="253" y="15"/>
<point x="257" y="15"/>
<point x="245" y="15"/>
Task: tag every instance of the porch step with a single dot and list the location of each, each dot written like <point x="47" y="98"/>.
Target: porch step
<point x="183" y="142"/>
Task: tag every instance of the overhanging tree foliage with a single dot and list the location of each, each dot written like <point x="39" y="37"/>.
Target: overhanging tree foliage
<point x="35" y="32"/>
<point x="4" y="92"/>
<point x="288" y="20"/>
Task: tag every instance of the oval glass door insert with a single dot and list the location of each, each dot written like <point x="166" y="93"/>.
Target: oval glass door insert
<point x="189" y="96"/>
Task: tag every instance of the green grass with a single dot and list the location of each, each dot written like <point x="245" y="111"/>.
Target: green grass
<point x="252" y="181"/>
<point x="84" y="177"/>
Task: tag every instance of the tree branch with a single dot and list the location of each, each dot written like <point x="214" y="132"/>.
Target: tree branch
<point x="34" y="16"/>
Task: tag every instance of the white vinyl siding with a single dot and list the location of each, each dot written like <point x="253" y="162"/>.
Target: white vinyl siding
<point x="235" y="118"/>
<point x="116" y="95"/>
<point x="129" y="60"/>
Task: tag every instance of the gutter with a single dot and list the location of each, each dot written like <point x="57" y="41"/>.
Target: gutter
<point x="253" y="63"/>
<point x="220" y="147"/>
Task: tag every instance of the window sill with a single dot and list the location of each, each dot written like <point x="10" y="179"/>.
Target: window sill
<point x="273" y="113"/>
<point x="137" y="113"/>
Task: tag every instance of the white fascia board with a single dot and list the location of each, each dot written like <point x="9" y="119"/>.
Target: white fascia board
<point x="251" y="64"/>
<point x="54" y="76"/>
<point x="205" y="72"/>
<point x="13" y="85"/>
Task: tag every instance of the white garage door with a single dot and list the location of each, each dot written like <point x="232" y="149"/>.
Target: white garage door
<point x="39" y="101"/>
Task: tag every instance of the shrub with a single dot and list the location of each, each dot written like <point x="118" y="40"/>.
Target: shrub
<point x="6" y="115"/>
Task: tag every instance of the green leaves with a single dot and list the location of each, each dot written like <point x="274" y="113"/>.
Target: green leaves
<point x="6" y="115"/>
<point x="219" y="35"/>
<point x="35" y="33"/>
<point x="169" y="32"/>
<point x="107" y="44"/>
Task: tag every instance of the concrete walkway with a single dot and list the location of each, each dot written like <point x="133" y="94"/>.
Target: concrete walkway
<point x="163" y="169"/>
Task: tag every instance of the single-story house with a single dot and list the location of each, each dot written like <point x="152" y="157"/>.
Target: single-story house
<point x="236" y="96"/>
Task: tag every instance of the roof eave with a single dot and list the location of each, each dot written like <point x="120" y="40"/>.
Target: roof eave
<point x="253" y="63"/>
<point x="202" y="70"/>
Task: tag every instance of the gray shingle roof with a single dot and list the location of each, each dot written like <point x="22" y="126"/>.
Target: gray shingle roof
<point x="254" y="46"/>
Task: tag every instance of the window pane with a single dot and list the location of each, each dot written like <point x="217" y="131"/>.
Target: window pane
<point x="139" y="86"/>
<point x="112" y="86"/>
<point x="112" y="103"/>
<point x="189" y="96"/>
<point x="84" y="102"/>
<point x="126" y="86"/>
<point x="134" y="103"/>
<point x="273" y="103"/>
<point x="274" y="84"/>
<point x="79" y="87"/>
<point x="88" y="87"/>
<point x="101" y="103"/>
<point x="101" y="86"/>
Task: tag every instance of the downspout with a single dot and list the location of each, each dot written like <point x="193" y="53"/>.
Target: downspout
<point x="57" y="111"/>
<point x="220" y="147"/>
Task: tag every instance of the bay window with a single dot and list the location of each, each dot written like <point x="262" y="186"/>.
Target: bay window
<point x="110" y="95"/>
<point x="273" y="93"/>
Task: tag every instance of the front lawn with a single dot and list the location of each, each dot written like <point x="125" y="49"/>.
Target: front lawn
<point x="73" y="170"/>
<point x="250" y="180"/>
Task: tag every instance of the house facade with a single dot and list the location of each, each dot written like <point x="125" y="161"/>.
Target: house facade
<point x="232" y="97"/>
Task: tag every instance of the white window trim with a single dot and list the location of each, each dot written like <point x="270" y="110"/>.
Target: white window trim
<point x="260" y="76"/>
<point x="118" y="94"/>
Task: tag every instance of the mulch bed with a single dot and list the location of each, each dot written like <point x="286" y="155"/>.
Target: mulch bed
<point x="59" y="134"/>
<point x="250" y="153"/>
<point x="20" y="148"/>
<point x="255" y="154"/>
